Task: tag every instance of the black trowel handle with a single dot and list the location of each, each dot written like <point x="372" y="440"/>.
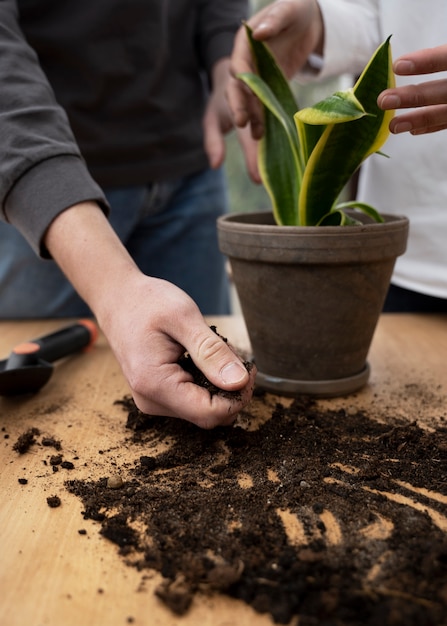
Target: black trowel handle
<point x="56" y="345"/>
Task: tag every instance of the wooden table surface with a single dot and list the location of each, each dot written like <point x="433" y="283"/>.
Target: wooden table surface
<point x="50" y="575"/>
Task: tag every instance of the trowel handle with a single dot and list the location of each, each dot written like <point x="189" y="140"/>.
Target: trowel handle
<point x="60" y="343"/>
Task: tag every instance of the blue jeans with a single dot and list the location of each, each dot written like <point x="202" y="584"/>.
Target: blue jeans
<point x="169" y="229"/>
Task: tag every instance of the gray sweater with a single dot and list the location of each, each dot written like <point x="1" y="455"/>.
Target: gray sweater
<point x="99" y="93"/>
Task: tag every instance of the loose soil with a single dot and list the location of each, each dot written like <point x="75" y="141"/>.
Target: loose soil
<point x="297" y="510"/>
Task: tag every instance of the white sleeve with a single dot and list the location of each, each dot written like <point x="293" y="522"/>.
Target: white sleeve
<point x="352" y="33"/>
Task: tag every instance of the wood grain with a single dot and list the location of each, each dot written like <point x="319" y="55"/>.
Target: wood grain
<point x="50" y="574"/>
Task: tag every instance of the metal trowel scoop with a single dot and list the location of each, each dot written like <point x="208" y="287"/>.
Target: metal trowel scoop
<point x="29" y="366"/>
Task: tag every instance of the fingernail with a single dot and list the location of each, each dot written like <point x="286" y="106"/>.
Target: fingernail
<point x="262" y="26"/>
<point x="390" y="102"/>
<point x="233" y="373"/>
<point x="404" y="67"/>
<point x="402" y="127"/>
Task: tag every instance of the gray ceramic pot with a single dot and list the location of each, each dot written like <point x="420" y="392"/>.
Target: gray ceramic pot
<point x="311" y="297"/>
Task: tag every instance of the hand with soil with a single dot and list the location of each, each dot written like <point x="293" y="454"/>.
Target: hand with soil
<point x="165" y="322"/>
<point x="149" y="323"/>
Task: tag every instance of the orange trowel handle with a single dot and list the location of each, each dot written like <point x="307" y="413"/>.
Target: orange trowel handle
<point x="54" y="346"/>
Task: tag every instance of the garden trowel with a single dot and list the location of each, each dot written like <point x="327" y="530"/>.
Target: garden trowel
<point x="29" y="366"/>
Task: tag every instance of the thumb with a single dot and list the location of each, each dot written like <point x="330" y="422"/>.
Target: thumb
<point x="217" y="361"/>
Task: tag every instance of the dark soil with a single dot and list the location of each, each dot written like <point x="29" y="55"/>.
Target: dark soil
<point x="329" y="515"/>
<point x="26" y="440"/>
<point x="29" y="438"/>
<point x="51" y="442"/>
<point x="200" y="379"/>
<point x="54" y="502"/>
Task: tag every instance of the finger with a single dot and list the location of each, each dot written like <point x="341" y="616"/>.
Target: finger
<point x="409" y="96"/>
<point x="180" y="397"/>
<point x="241" y="57"/>
<point x="420" y="121"/>
<point x="217" y="361"/>
<point x="424" y="61"/>
<point x="432" y="129"/>
<point x="238" y="97"/>
<point x="214" y="142"/>
<point x="250" y="150"/>
<point x="256" y="117"/>
<point x="245" y="108"/>
<point x="275" y="18"/>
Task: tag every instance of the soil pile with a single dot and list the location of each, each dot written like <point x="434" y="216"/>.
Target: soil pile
<point x="326" y="514"/>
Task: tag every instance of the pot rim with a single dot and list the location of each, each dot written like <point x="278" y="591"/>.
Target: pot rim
<point x="255" y="236"/>
<point x="264" y="221"/>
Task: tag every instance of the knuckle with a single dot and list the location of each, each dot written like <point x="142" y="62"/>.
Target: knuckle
<point x="419" y="98"/>
<point x="210" y="347"/>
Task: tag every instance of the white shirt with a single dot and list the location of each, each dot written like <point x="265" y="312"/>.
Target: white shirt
<point x="413" y="181"/>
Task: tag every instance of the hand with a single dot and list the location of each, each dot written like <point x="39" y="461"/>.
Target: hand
<point x="217" y="122"/>
<point x="429" y="99"/>
<point x="292" y="29"/>
<point x="149" y="324"/>
<point x="148" y="339"/>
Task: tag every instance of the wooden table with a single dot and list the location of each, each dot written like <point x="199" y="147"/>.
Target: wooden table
<point x="50" y="575"/>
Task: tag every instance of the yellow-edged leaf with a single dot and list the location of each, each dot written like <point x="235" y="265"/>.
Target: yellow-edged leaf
<point x="341" y="106"/>
<point x="343" y="147"/>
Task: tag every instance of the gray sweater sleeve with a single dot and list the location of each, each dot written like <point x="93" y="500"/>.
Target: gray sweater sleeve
<point x="218" y="23"/>
<point x="42" y="172"/>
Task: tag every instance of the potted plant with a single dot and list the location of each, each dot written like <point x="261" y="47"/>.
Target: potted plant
<point x="312" y="274"/>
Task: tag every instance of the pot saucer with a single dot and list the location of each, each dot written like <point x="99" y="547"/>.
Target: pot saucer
<point x="316" y="388"/>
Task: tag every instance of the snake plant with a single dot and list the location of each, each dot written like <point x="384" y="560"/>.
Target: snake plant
<point x="306" y="157"/>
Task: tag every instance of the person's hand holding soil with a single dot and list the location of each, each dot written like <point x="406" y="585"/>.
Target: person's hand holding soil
<point x="149" y="324"/>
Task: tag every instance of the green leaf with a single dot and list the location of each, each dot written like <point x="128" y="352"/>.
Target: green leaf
<point x="308" y="135"/>
<point x="343" y="147"/>
<point x="271" y="73"/>
<point x="274" y="108"/>
<point x="305" y="166"/>
<point x="362" y="206"/>
<point x="310" y="122"/>
<point x="338" y="218"/>
<point x="341" y="106"/>
<point x="279" y="157"/>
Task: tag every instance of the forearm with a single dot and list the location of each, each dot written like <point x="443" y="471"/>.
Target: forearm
<point x="88" y="251"/>
<point x="149" y="323"/>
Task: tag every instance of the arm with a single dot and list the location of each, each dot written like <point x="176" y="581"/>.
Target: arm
<point x="48" y="194"/>
<point x="429" y="99"/>
<point x="148" y="322"/>
<point x="37" y="143"/>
